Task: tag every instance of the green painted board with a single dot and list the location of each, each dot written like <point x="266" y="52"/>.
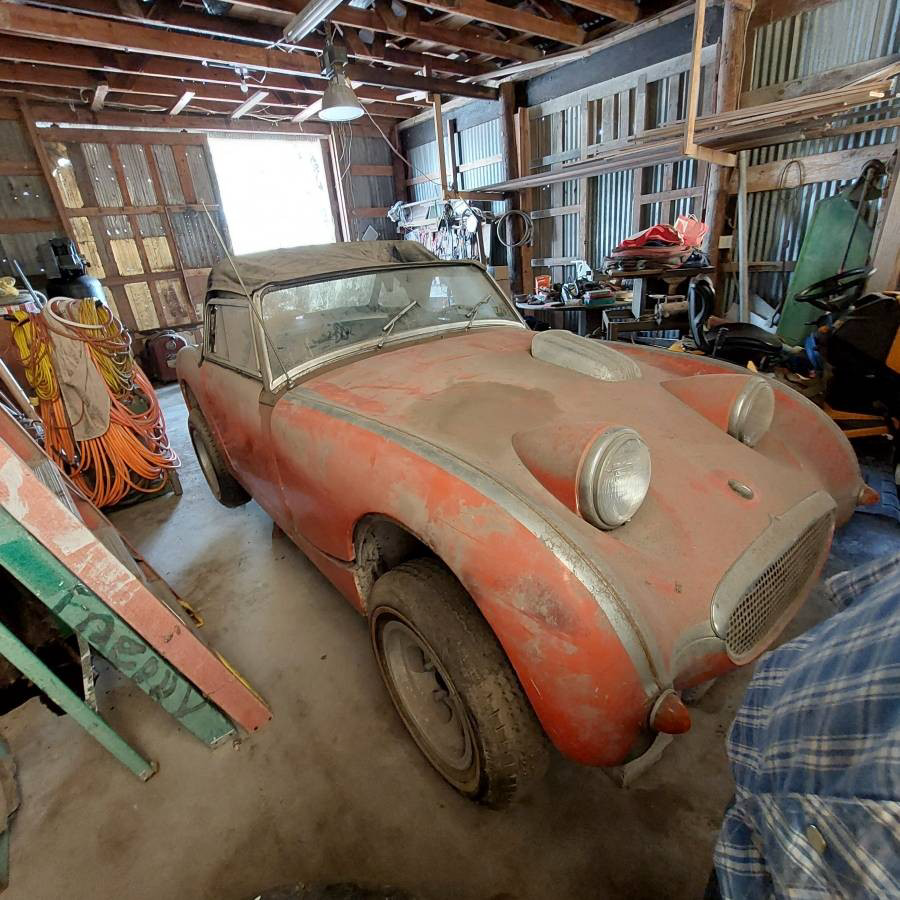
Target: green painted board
<point x="27" y="560"/>
<point x="824" y="246"/>
<point x="32" y="668"/>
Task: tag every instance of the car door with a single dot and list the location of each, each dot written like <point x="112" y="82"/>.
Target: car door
<point x="232" y="403"/>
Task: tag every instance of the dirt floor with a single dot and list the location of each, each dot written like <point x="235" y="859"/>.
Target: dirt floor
<point x="333" y="789"/>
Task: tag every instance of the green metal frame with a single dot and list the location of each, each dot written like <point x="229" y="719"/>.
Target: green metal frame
<point x="31" y="667"/>
<point x="27" y="560"/>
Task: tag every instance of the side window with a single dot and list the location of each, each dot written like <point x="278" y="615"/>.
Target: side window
<point x="230" y="337"/>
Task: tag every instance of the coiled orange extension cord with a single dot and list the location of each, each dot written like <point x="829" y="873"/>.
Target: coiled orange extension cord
<point x="134" y="453"/>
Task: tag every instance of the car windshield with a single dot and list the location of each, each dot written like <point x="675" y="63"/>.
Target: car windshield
<point x="305" y="321"/>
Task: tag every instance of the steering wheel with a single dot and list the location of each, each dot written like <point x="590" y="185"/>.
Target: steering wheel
<point x="827" y="293"/>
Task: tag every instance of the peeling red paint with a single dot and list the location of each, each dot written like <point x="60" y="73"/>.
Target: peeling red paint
<point x="380" y="435"/>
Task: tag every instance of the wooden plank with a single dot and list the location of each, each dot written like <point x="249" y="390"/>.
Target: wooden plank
<point x="454" y="162"/>
<point x="439" y="137"/>
<point x="369" y="212"/>
<point x="182" y="102"/>
<point x="40" y="151"/>
<point x="532" y="68"/>
<point x="840" y="165"/>
<point x="886" y="243"/>
<point x="371" y="171"/>
<point x="254" y="99"/>
<point x="79" y="552"/>
<point x="620" y="10"/>
<point x="26" y="226"/>
<point x="505" y="17"/>
<point x="184" y="174"/>
<point x="691" y="148"/>
<point x="100" y="92"/>
<point x="820" y="81"/>
<point x="19" y="168"/>
<point x="523" y="148"/>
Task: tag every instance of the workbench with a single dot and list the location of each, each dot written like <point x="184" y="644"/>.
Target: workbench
<point x="575" y="317"/>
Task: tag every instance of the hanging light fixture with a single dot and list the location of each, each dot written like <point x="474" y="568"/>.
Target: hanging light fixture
<point x="340" y="103"/>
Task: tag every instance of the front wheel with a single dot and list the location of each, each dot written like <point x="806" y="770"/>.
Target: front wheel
<point x="453" y="685"/>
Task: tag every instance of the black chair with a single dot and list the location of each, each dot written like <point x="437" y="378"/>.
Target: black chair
<point x="737" y="342"/>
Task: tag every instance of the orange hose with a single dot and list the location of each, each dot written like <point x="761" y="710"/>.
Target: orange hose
<point x="134" y="454"/>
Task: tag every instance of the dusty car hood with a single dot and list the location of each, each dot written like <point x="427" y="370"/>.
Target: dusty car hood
<point x="471" y="394"/>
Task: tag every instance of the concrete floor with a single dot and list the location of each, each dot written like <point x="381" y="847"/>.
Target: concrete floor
<point x="333" y="789"/>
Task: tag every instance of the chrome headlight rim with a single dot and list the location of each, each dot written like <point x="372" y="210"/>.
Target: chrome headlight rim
<point x="756" y="390"/>
<point x="592" y="470"/>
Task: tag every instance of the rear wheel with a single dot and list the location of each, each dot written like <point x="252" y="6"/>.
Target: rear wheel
<point x="225" y="488"/>
<point x="453" y="685"/>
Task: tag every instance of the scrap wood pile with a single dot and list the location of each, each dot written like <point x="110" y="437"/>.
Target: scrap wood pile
<point x="802" y="117"/>
<point x="102" y="421"/>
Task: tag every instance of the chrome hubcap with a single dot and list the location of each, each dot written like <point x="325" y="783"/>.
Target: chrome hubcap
<point x="427" y="695"/>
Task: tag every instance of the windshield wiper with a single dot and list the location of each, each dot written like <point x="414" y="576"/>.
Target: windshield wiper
<point x="389" y="326"/>
<point x="470" y="315"/>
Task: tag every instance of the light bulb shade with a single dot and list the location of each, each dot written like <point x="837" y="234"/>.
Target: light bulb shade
<point x="340" y="103"/>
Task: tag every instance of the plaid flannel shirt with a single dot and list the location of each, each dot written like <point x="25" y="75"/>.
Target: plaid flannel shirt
<point x="815" y="753"/>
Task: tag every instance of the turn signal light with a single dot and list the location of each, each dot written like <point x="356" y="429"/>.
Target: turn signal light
<point x="669" y="715"/>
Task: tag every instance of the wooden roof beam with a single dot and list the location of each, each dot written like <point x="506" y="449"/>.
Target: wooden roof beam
<point x="165" y="90"/>
<point x="91" y="31"/>
<point x="466" y="39"/>
<point x="177" y="75"/>
<point x="620" y="10"/>
<point x="59" y="114"/>
<point x="515" y="19"/>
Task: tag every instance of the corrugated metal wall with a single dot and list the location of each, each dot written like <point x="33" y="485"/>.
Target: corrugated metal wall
<point x="370" y="191"/>
<point x="838" y="34"/>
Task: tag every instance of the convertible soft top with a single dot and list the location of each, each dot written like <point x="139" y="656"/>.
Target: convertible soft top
<point x="293" y="263"/>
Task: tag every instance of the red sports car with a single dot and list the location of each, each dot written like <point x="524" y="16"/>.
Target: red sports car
<point x="551" y="537"/>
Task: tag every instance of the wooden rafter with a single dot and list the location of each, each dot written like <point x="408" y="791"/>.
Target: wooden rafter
<point x="91" y="31"/>
<point x="167" y="14"/>
<point x="515" y="19"/>
<point x="133" y="67"/>
<point x="143" y="89"/>
<point x="620" y="10"/>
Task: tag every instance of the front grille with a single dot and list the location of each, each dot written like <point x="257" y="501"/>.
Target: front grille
<point x="766" y="600"/>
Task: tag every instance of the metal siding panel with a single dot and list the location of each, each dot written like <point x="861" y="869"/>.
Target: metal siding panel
<point x="200" y="175"/>
<point x="103" y="177"/>
<point x="137" y="175"/>
<point x="168" y="174"/>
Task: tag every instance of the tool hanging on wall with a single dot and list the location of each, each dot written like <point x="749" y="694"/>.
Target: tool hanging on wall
<point x="102" y="422"/>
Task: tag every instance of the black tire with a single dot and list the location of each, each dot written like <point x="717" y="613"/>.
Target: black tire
<point x="422" y="602"/>
<point x="222" y="483"/>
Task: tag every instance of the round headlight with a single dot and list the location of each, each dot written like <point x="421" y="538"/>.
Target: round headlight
<point x="752" y="412"/>
<point x="614" y="478"/>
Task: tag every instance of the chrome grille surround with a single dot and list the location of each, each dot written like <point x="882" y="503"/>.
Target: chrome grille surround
<point x="763" y="589"/>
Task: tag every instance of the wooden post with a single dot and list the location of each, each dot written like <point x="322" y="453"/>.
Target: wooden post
<point x="511" y="153"/>
<point x="690" y="147"/>
<point x="886" y="246"/>
<point x="40" y="151"/>
<point x="728" y="91"/>
<point x="439" y="137"/>
<point x="523" y="136"/>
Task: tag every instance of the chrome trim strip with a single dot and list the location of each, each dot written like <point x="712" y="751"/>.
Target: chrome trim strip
<point x="770" y="545"/>
<point x="551" y="532"/>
